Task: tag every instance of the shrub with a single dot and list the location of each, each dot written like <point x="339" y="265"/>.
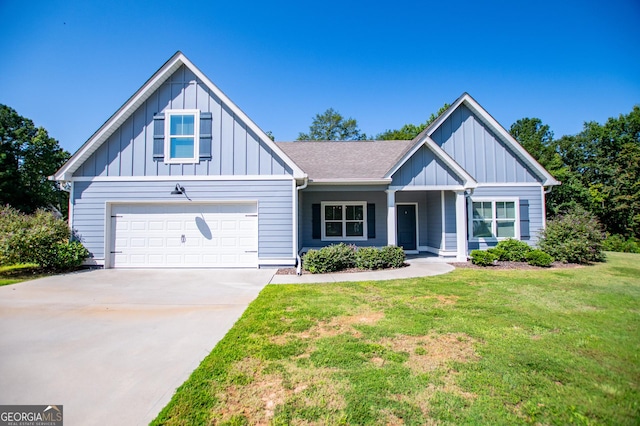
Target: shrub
<point x="499" y="253"/>
<point x="574" y="237"/>
<point x="539" y="258"/>
<point x="514" y="250"/>
<point x="392" y="256"/>
<point x="40" y="238"/>
<point x="330" y="259"/>
<point x="619" y="243"/>
<point x="369" y="258"/>
<point x="482" y="258"/>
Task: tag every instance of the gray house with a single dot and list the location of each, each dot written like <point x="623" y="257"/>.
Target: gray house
<point x="179" y="176"/>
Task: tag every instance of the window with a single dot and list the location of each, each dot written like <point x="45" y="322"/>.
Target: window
<point x="344" y="221"/>
<point x="494" y="219"/>
<point x="182" y="134"/>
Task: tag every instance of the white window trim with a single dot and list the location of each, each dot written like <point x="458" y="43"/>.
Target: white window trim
<point x="493" y="201"/>
<point x="167" y="136"/>
<point x="344" y="220"/>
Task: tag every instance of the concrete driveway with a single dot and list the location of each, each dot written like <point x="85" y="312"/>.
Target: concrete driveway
<point x="112" y="346"/>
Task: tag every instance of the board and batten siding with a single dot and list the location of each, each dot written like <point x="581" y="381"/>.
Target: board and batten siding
<point x="531" y="211"/>
<point x="274" y="198"/>
<point x="479" y="150"/>
<point x="235" y="149"/>
<point x="424" y="169"/>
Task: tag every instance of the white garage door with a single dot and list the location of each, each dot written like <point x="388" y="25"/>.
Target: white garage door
<point x="184" y="235"/>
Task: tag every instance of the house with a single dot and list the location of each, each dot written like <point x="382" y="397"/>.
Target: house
<point x="179" y="176"/>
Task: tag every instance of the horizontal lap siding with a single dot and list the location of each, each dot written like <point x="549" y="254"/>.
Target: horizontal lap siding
<point x="531" y="194"/>
<point x="316" y="197"/>
<point x="479" y="150"/>
<point x="236" y="150"/>
<point x="275" y="215"/>
<point x="434" y="219"/>
<point x="450" y="234"/>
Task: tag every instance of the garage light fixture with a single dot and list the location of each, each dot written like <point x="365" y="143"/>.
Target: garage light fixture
<point x="179" y="190"/>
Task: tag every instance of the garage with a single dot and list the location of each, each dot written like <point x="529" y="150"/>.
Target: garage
<point x="184" y="235"/>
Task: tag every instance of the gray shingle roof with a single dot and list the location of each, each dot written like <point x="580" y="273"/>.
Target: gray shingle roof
<point x="340" y="160"/>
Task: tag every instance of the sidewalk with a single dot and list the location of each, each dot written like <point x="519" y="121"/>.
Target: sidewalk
<point x="418" y="267"/>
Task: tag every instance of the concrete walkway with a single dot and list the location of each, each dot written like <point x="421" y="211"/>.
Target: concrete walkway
<point x="418" y="267"/>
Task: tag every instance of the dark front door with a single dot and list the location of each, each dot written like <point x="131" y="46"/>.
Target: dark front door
<point x="406" y="219"/>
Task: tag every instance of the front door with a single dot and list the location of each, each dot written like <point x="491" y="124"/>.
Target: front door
<point x="406" y="214"/>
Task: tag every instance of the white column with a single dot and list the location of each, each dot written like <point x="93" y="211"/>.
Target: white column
<point x="461" y="226"/>
<point x="391" y="217"/>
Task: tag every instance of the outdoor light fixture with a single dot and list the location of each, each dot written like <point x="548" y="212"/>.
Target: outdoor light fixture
<point x="178" y="191"/>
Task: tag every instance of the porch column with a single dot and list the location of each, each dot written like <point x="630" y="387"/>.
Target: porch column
<point x="391" y="217"/>
<point x="461" y="226"/>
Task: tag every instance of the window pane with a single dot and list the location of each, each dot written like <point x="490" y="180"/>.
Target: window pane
<point x="505" y="210"/>
<point x="333" y="229"/>
<point x="333" y="212"/>
<point x="181" y="148"/>
<point x="355" y="229"/>
<point x="482" y="210"/>
<point x="482" y="228"/>
<point x="355" y="213"/>
<point x="506" y="229"/>
<point x="182" y="125"/>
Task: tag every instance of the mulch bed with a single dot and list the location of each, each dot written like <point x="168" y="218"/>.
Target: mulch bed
<point x="515" y="265"/>
<point x="292" y="271"/>
<point x="463" y="265"/>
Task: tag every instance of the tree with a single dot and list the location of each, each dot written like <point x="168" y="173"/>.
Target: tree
<point x="537" y="139"/>
<point x="28" y="155"/>
<point x="410" y="131"/>
<point x="332" y="126"/>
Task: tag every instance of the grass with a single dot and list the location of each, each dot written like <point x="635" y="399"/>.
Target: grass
<point x="14" y="274"/>
<point x="470" y="347"/>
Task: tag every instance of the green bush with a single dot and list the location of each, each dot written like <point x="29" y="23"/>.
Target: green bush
<point x="341" y="256"/>
<point x="499" y="253"/>
<point x="514" y="250"/>
<point x="369" y="258"/>
<point x="482" y="258"/>
<point x="573" y="238"/>
<point x="539" y="258"/>
<point x="332" y="258"/>
<point x="40" y="238"/>
<point x="619" y="243"/>
<point x="392" y="256"/>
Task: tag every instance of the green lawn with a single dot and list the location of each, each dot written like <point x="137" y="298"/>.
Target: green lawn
<point x="470" y="347"/>
<point x="17" y="273"/>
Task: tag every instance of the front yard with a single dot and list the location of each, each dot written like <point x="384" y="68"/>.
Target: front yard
<point x="473" y="346"/>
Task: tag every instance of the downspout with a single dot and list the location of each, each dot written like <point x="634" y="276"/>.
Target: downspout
<point x="298" y="259"/>
<point x="546" y="191"/>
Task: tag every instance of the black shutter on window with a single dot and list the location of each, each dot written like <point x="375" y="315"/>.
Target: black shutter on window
<point x="316" y="222"/>
<point x="158" y="137"/>
<point x="206" y="119"/>
<point x="371" y="220"/>
<point x="525" y="232"/>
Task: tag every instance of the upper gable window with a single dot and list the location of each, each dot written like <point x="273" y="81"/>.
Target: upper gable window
<point x="181" y="136"/>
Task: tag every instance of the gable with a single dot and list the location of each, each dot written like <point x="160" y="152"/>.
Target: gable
<point x="424" y="168"/>
<point x="480" y="150"/>
<point x="232" y="144"/>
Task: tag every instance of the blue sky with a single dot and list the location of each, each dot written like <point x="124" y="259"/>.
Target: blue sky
<point x="70" y="65"/>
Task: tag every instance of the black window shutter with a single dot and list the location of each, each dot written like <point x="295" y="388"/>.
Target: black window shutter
<point x="371" y="220"/>
<point x="525" y="232"/>
<point x="206" y="119"/>
<point x="316" y="220"/>
<point x="158" y="137"/>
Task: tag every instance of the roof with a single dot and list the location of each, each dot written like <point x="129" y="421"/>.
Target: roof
<point x="138" y="98"/>
<point x="344" y="161"/>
